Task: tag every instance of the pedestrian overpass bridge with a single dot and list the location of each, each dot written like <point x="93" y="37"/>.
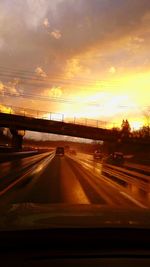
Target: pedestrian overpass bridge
<point x="24" y="119"/>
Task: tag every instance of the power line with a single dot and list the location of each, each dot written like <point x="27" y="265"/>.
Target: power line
<point x="61" y="100"/>
<point x="6" y="69"/>
<point x="29" y="78"/>
<point x="56" y="83"/>
<point x="34" y="76"/>
<point x="45" y="98"/>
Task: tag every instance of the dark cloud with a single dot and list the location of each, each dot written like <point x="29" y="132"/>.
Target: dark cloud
<point x="82" y="22"/>
<point x="73" y="27"/>
<point x="97" y="22"/>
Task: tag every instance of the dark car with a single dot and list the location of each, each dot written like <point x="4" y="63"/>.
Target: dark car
<point x="60" y="151"/>
<point x="97" y="154"/>
<point x="115" y="158"/>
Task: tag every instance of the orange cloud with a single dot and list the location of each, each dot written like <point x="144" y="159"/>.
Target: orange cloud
<point x="56" y="34"/>
<point x="10" y="87"/>
<point x="40" y="72"/>
<point x="112" y="70"/>
<point x="74" y="67"/>
<point x="53" y="92"/>
<point x="1" y="87"/>
<point x="46" y="23"/>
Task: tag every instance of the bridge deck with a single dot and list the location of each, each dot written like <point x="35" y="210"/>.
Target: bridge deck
<point x="21" y="122"/>
<point x="56" y="127"/>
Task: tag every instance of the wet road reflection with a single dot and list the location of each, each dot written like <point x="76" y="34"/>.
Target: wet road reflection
<point x="135" y="184"/>
<point x="71" y="179"/>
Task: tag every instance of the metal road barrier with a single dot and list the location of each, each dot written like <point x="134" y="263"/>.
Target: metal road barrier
<point x="114" y="172"/>
<point x="46" y="115"/>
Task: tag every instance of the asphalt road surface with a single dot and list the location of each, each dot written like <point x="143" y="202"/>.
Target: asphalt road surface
<point x="46" y="178"/>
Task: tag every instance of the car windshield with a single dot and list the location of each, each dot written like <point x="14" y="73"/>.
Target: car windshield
<point x="74" y="113"/>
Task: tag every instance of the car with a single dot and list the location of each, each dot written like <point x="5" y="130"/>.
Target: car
<point x="97" y="154"/>
<point x="60" y="151"/>
<point x="116" y="158"/>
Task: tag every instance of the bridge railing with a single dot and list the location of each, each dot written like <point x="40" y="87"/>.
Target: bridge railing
<point x="54" y="116"/>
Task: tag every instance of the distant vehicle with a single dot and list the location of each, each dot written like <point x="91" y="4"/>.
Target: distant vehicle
<point x="116" y="158"/>
<point x="97" y="154"/>
<point x="60" y="151"/>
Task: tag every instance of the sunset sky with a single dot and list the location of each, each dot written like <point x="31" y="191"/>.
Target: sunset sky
<point x="83" y="58"/>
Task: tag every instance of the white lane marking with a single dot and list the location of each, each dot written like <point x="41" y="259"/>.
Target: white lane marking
<point x="98" y="174"/>
<point x="139" y="204"/>
<point x="30" y="171"/>
<point x="134" y="200"/>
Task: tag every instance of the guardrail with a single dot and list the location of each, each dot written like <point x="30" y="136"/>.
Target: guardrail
<point x="9" y="156"/>
<point x="122" y="175"/>
<point x="46" y="115"/>
<point x="140" y="167"/>
<point x="135" y="173"/>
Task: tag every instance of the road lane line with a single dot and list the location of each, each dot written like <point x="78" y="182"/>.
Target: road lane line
<point x="89" y="182"/>
<point x="72" y="190"/>
<point x="139" y="204"/>
<point x="6" y="167"/>
<point x="116" y="186"/>
<point x="24" y="176"/>
<point x="125" y="194"/>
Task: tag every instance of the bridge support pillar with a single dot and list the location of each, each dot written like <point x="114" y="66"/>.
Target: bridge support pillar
<point x="17" y="139"/>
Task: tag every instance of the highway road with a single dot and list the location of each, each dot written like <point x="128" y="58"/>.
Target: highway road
<point x="71" y="179"/>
